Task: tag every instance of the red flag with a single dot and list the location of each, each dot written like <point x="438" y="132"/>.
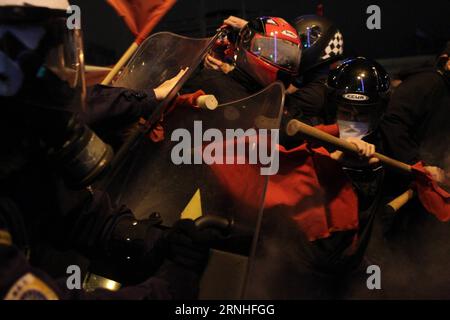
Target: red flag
<point x="434" y="199"/>
<point x="313" y="188"/>
<point x="141" y="16"/>
<point x="310" y="186"/>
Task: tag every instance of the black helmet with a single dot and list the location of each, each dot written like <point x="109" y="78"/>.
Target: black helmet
<point x="321" y="41"/>
<point x="359" y="88"/>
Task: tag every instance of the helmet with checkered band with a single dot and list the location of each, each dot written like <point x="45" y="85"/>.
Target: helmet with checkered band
<point x="322" y="42"/>
<point x="269" y="49"/>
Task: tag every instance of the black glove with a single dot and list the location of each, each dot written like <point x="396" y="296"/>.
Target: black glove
<point x="187" y="251"/>
<point x="188" y="245"/>
<point x="138" y="248"/>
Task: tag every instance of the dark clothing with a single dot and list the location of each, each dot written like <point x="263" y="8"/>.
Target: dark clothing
<point x="52" y="227"/>
<point x="415" y="128"/>
<point x="309" y="101"/>
<point x="416" y="125"/>
<point x="110" y="110"/>
<point x="97" y="223"/>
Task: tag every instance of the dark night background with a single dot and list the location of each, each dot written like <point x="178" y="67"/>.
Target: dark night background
<point x="408" y="28"/>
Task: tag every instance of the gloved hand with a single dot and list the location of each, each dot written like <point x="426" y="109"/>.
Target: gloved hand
<point x="187" y="253"/>
<point x="188" y="246"/>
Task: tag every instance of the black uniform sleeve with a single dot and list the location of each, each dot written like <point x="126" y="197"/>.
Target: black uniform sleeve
<point x="110" y="109"/>
<point x="225" y="87"/>
<point x="406" y="109"/>
<point x="91" y="228"/>
<point x="20" y="280"/>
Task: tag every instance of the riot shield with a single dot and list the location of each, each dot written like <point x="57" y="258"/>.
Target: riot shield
<point x="149" y="181"/>
<point x="156" y="181"/>
<point x="159" y="58"/>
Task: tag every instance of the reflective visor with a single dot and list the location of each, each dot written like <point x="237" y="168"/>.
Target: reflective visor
<point x="282" y="53"/>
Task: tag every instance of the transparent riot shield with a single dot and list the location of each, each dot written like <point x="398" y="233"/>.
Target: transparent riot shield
<point x="149" y="180"/>
<point x="226" y="184"/>
<point x="161" y="57"/>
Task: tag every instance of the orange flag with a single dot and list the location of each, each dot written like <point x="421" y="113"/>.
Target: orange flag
<point x="141" y="16"/>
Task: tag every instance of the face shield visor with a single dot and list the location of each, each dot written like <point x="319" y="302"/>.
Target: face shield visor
<point x="279" y="52"/>
<point x="356" y="121"/>
<point x="66" y="62"/>
<point x="42" y="66"/>
<point x="42" y="92"/>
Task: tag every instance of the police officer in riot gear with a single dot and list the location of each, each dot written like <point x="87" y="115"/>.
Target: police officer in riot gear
<point x="46" y="147"/>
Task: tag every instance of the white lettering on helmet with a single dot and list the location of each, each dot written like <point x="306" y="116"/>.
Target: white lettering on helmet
<point x="355" y="97"/>
<point x="272" y="22"/>
<point x="289" y="34"/>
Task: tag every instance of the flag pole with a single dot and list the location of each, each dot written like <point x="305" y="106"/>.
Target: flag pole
<point x="141" y="36"/>
<point x="124" y="59"/>
<point x="395" y="205"/>
<point x="295" y="126"/>
<point x="132" y="141"/>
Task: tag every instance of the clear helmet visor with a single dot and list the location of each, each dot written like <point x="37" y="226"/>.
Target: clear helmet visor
<point x="355" y="122"/>
<point x="43" y="65"/>
<point x="282" y="53"/>
<point x="66" y="62"/>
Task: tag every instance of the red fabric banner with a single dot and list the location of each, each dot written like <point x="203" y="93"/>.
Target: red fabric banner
<point x="141" y="16"/>
<point x="434" y="199"/>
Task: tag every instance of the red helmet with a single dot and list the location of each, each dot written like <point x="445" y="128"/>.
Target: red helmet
<point x="269" y="49"/>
